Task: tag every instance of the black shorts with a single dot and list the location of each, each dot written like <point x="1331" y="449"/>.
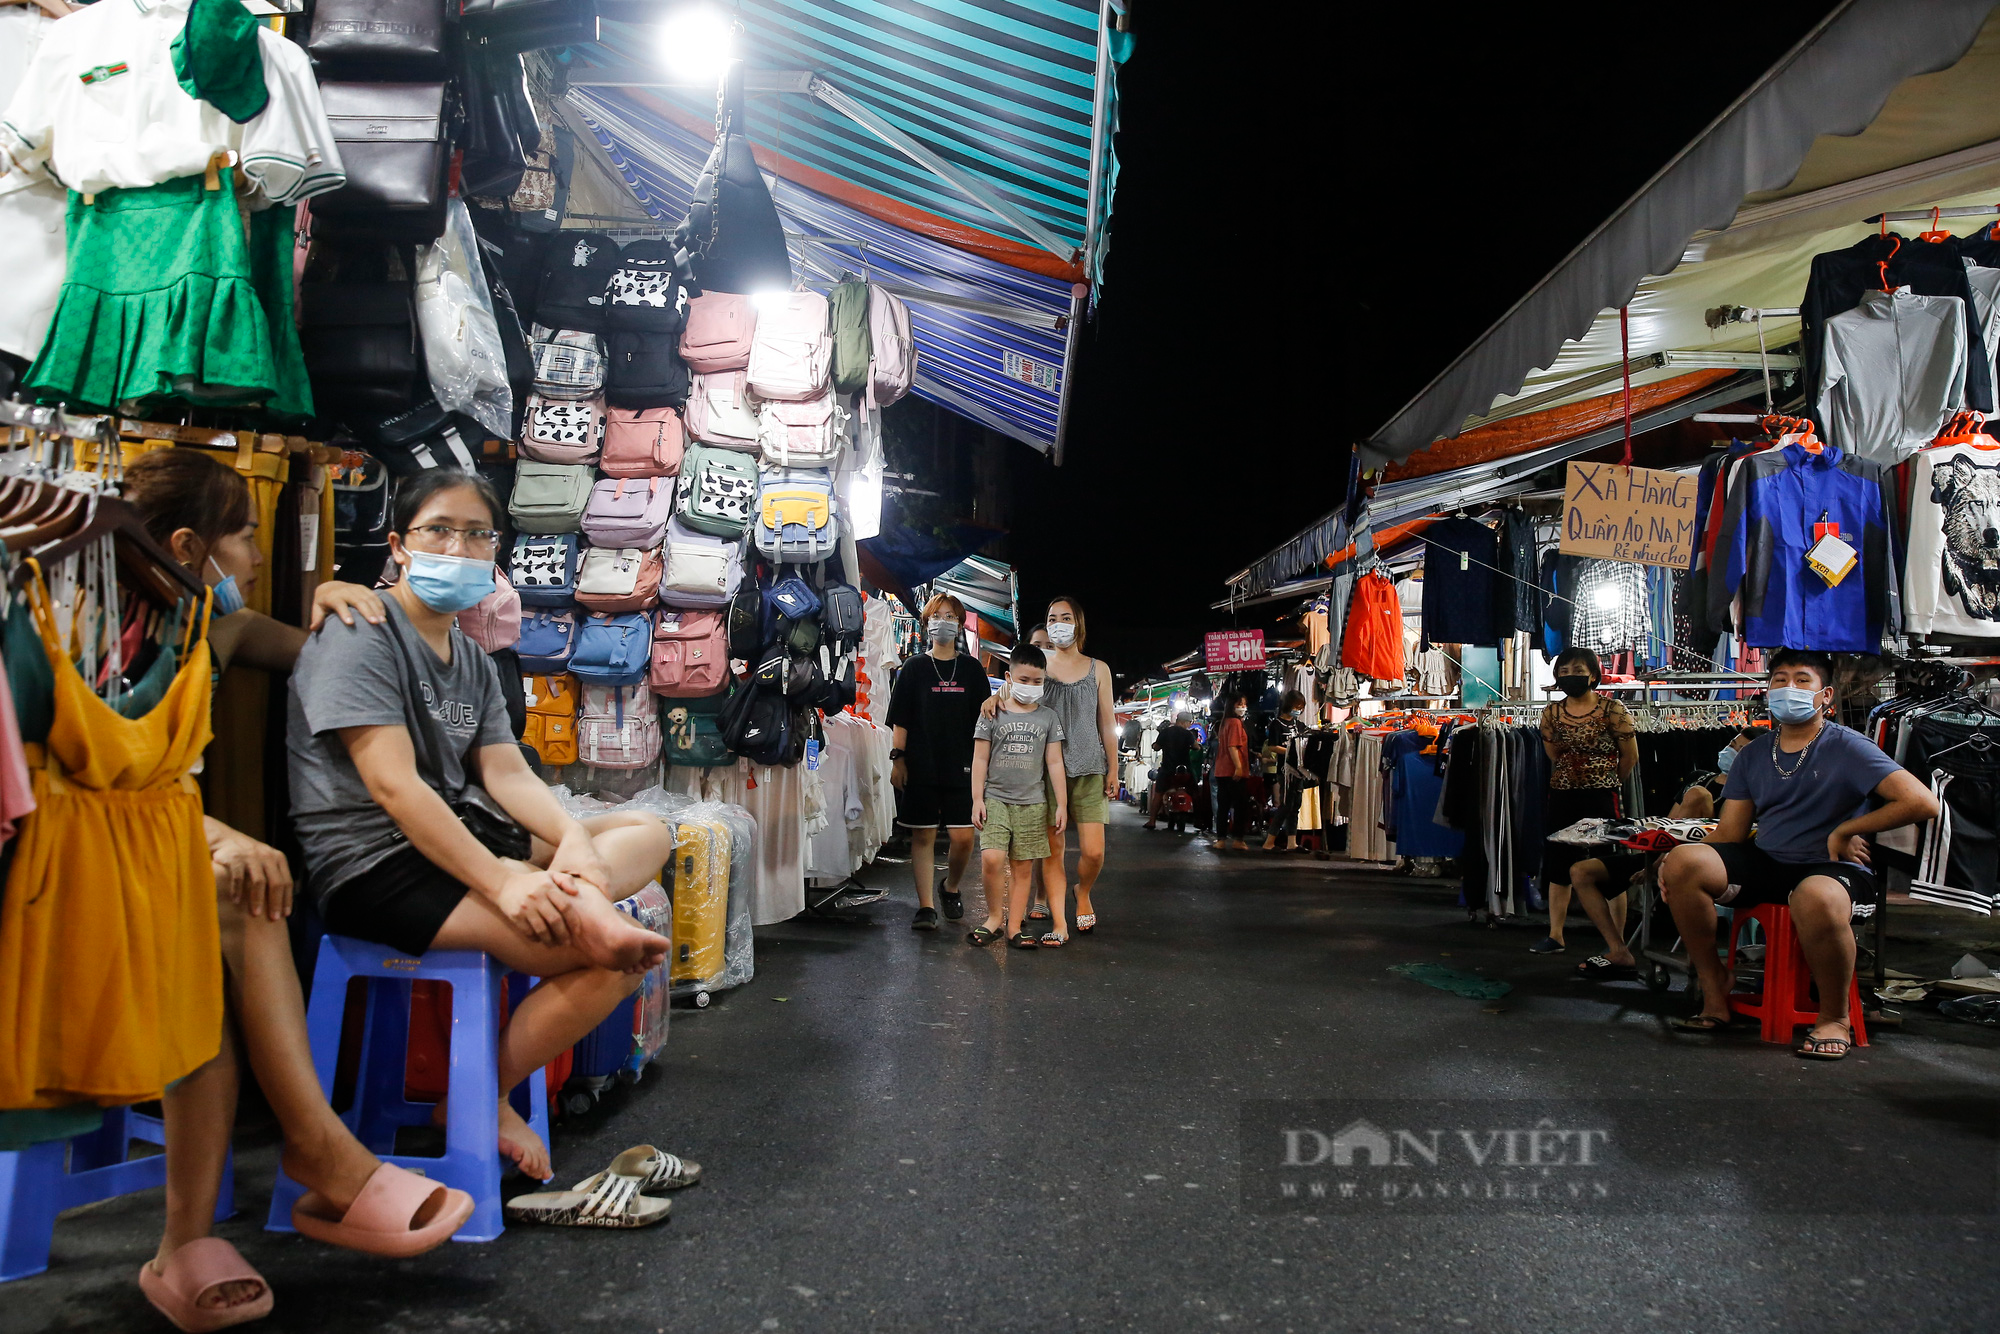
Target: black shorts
<point x="1757" y="877"/>
<point x="403" y="900"/>
<point x="928" y="807"/>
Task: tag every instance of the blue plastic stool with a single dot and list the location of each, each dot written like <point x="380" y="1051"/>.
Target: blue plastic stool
<point x="37" y="1183"/>
<point x="471" y="1160"/>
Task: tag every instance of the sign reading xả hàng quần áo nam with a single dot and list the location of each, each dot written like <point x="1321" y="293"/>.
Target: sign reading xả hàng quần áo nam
<point x="1641" y="515"/>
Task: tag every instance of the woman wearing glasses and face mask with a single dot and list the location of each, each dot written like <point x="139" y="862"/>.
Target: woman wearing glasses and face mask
<point x="933" y="711"/>
<point x="423" y="826"/>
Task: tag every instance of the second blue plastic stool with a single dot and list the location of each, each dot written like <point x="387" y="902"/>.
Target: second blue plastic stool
<point x="471" y="1160"/>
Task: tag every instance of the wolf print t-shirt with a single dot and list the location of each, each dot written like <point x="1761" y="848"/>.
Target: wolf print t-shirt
<point x="364" y="675"/>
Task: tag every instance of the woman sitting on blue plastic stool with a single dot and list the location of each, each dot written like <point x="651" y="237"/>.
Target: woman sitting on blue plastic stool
<point x="423" y="826"/>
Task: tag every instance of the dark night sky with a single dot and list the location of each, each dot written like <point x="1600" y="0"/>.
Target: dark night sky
<point x="1308" y="227"/>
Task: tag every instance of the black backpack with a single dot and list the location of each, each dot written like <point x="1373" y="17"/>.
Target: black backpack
<point x="362" y="502"/>
<point x="644" y="370"/>
<point x="427" y="437"/>
<point x="576" y="270"/>
<point x="758" y="725"/>
<point x="648" y="292"/>
<point x="746" y="619"/>
<point x="840" y="611"/>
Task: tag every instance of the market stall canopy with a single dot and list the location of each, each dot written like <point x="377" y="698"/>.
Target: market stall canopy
<point x="984" y="585"/>
<point x="960" y="155"/>
<point x="1885" y="105"/>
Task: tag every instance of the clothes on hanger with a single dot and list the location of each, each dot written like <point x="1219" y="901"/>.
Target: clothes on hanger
<point x="1894" y="372"/>
<point x="1373" y="645"/>
<point x="1609" y="611"/>
<point x="1952" y="569"/>
<point x="1884" y="263"/>
<point x="1459" y="582"/>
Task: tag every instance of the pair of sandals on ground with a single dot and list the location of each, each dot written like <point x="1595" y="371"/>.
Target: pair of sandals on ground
<point x="1822" y="1047"/>
<point x="397" y="1215"/>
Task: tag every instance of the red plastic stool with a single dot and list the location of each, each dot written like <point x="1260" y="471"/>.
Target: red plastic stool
<point x="1787" y="1000"/>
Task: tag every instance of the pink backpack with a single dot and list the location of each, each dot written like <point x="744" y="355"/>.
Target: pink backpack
<point x="494" y="622"/>
<point x="722" y="411"/>
<point x="628" y="512"/>
<point x="894" y="353"/>
<point x="792" y="354"/>
<point x="690" y="654"/>
<point x="720" y="328"/>
<point x="643" y="442"/>
<point x="555" y="430"/>
<point x="810" y="433"/>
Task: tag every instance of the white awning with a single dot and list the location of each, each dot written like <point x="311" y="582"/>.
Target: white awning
<point x="1886" y="105"/>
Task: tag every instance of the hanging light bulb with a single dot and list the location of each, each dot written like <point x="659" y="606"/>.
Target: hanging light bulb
<point x="695" y="44"/>
<point x="1607" y="597"/>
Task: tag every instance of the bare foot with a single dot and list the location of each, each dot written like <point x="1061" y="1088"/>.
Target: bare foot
<point x="522" y="1145"/>
<point x="610" y="939"/>
<point x="220" y="1297"/>
<point x="340" y="1168"/>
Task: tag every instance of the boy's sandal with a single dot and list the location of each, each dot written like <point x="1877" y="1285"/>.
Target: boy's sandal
<point x="197" y="1268"/>
<point x="615" y="1200"/>
<point x="382" y="1219"/>
<point x="983" y="936"/>
<point x="1054" y="940"/>
<point x="1023" y="941"/>
<point x="1824" y="1049"/>
<point x="656" y="1170"/>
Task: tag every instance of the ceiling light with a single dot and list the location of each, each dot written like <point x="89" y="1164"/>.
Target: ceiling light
<point x="696" y="44"/>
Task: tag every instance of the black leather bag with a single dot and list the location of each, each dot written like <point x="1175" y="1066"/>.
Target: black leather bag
<point x="392" y="142"/>
<point x="514" y="26"/>
<point x="732" y="229"/>
<point x="501" y="132"/>
<point x="361" y="346"/>
<point x="379" y="39"/>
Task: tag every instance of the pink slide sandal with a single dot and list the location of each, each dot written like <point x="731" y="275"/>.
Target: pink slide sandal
<point x="194" y="1269"/>
<point x="382" y="1219"/>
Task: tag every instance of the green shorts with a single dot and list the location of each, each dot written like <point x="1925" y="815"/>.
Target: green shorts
<point x="1087" y="802"/>
<point x="1022" y="832"/>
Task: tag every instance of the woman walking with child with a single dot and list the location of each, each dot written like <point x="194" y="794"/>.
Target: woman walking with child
<point x="1079" y="693"/>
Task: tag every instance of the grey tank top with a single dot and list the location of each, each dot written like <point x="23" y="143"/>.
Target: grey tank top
<point x="1075" y="703"/>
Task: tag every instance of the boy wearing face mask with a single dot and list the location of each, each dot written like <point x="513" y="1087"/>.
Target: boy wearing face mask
<point x="1017" y="763"/>
<point x="1806" y="787"/>
<point x="931" y="714"/>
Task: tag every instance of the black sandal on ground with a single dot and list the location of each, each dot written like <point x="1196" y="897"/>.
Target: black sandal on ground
<point x="1826" y="1048"/>
<point x="1023" y="941"/>
<point x="952" y="901"/>
<point x="925" y="920"/>
<point x="1701" y="1023"/>
<point x="1597" y="968"/>
<point x="983" y="936"/>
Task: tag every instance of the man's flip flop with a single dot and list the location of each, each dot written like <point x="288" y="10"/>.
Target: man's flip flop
<point x="382" y="1219"/>
<point x="193" y="1270"/>
<point x="615" y="1201"/>
<point x="656" y="1169"/>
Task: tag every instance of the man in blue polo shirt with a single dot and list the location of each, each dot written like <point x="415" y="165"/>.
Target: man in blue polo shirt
<point x="1807" y="788"/>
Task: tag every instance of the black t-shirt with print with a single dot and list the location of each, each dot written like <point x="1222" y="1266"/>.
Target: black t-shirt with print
<point x="938" y="702"/>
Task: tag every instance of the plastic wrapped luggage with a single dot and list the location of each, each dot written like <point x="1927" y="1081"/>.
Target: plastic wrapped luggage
<point x="702" y="850"/>
<point x="635" y="1033"/>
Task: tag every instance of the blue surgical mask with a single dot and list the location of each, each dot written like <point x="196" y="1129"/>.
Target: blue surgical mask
<point x="1724" y="758"/>
<point x="228" y="597"/>
<point x="1793" y="704"/>
<point x="449" y="583"/>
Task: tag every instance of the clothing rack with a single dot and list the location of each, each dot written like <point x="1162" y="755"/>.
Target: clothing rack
<point x="1927" y="214"/>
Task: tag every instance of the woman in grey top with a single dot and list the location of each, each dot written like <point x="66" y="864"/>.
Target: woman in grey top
<point x="1079" y="690"/>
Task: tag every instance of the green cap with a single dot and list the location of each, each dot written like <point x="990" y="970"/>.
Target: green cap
<point x="216" y="59"/>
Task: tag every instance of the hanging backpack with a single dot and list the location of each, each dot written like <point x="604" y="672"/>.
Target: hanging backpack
<point x="549" y="497"/>
<point x="795" y="522"/>
<point x="747" y="625"/>
<point x="722" y="411"/>
<point x="362" y="505"/>
<point x="643" y="370"/>
<point x="841" y="613"/>
<point x="619" y="579"/>
<point x="647" y="294"/>
<point x="791" y="352"/>
<point x="793" y="611"/>
<point x="757" y="724"/>
<point x="548" y="640"/>
<point x="810" y="433"/>
<point x="642" y="442"/>
<point x="551" y="728"/>
<point x="569" y="363"/>
<point x="494" y="622"/>
<point x="702" y="570"/>
<point x="563" y="430"/>
<point x="720" y="328"/>
<point x="717" y="490"/>
<point x="544" y="569"/>
<point x="618" y="727"/>
<point x="847" y="305"/>
<point x="612" y="650"/>
<point x="691" y="732"/>
<point x="690" y="654"/>
<point x="629" y="512"/>
<point x="576" y="270"/>
<point x="892" y="361"/>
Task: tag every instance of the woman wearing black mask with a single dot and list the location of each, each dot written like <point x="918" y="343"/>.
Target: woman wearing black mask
<point x="1591" y="748"/>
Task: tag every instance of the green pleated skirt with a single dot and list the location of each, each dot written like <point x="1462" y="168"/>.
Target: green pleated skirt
<point x="163" y="298"/>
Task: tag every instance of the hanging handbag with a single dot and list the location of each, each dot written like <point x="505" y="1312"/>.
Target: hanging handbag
<point x="514" y="26"/>
<point x="392" y="142"/>
<point x="378" y="39"/>
<point x="502" y="135"/>
<point x="360" y="344"/>
<point x="732" y="229"/>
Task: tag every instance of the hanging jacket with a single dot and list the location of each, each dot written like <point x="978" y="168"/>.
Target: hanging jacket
<point x="1927" y="268"/>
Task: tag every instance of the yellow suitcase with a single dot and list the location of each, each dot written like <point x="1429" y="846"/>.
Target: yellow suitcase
<point x="701" y="899"/>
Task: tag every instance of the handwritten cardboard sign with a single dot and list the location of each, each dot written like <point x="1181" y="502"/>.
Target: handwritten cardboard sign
<point x="1641" y="515"/>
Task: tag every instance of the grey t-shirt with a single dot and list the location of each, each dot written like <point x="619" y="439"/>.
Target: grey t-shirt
<point x="1017" y="761"/>
<point x="1795" y="815"/>
<point x="380" y="675"/>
